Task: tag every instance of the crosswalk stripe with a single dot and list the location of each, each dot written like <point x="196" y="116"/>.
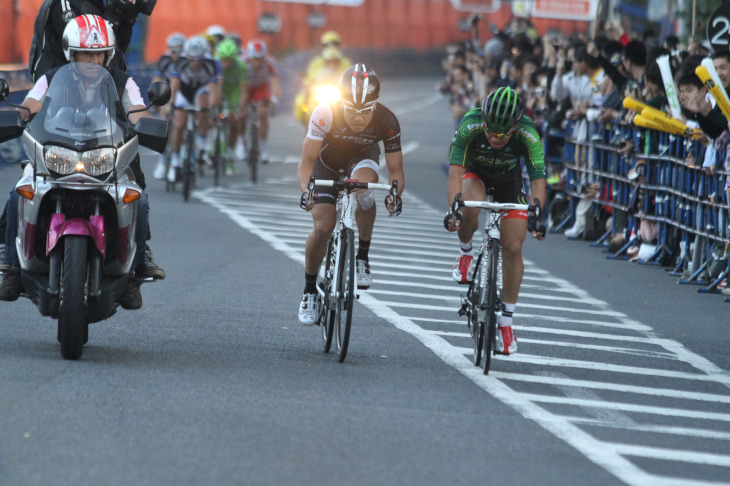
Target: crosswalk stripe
<point x="411" y="259"/>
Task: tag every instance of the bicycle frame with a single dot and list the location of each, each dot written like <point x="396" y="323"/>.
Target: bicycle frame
<point x="346" y="205"/>
<point x="482" y="304"/>
<point x="337" y="286"/>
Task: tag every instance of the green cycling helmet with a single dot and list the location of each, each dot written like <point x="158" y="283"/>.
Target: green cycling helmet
<point x="227" y="49"/>
<point x="502" y="110"/>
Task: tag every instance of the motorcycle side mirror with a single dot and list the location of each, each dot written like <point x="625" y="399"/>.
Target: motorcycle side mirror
<point x="159" y="93"/>
<point x="11" y="125"/>
<point x="4" y="89"/>
<point x="4" y="93"/>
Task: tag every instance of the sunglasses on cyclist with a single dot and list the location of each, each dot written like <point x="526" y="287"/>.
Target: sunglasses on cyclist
<point x="354" y="111"/>
<point x="500" y="136"/>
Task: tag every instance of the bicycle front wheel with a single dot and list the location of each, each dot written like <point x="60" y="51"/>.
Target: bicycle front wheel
<point x="493" y="302"/>
<point x="475" y="297"/>
<point x="188" y="172"/>
<point x="345" y="292"/>
<point x="217" y="155"/>
<point x="253" y="153"/>
<point x="326" y="316"/>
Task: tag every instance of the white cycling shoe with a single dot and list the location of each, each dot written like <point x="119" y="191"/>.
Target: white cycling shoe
<point x="309" y="309"/>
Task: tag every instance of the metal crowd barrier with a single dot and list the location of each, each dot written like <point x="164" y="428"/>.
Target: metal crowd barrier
<point x="656" y="181"/>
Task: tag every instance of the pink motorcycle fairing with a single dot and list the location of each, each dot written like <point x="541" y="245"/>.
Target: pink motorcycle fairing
<point x="59" y="227"/>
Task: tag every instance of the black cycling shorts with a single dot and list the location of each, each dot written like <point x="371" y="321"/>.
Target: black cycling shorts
<point x="508" y="188"/>
<point x="323" y="171"/>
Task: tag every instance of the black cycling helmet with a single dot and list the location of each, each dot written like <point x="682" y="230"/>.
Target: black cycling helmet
<point x="359" y="86"/>
<point x="502" y="110"/>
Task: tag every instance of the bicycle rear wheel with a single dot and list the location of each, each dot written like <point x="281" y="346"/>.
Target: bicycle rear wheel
<point x="326" y="316"/>
<point x="492" y="305"/>
<point x="345" y="292"/>
<point x="475" y="296"/>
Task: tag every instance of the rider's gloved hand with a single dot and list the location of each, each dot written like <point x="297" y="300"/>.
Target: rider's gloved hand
<point x="452" y="220"/>
<point x="534" y="225"/>
<point x="305" y="203"/>
<point x="394" y="209"/>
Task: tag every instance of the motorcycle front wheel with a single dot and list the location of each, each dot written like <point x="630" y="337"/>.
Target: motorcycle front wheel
<point x="73" y="325"/>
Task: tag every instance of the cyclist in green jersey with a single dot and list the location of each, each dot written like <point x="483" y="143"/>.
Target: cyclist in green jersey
<point x="485" y="153"/>
<point x="234" y="93"/>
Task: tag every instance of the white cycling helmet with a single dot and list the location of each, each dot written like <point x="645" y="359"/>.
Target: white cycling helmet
<point x="89" y="33"/>
<point x="176" y="40"/>
<point x="216" y="31"/>
<point x="196" y="47"/>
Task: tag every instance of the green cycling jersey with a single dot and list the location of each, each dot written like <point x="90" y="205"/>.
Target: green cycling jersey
<point x="471" y="150"/>
<point x="233" y="77"/>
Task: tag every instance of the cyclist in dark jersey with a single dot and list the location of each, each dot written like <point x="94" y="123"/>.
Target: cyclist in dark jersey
<point x="485" y="153"/>
<point x="163" y="72"/>
<point x="194" y="84"/>
<point x="343" y="137"/>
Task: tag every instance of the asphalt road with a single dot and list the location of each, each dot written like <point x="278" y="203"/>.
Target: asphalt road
<point x="621" y="376"/>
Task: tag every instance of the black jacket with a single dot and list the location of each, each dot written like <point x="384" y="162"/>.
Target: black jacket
<point x="46" y="51"/>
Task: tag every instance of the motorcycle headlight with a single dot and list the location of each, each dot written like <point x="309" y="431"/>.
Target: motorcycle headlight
<point x="326" y="94"/>
<point x="92" y="162"/>
<point x="98" y="161"/>
<point x="60" y="160"/>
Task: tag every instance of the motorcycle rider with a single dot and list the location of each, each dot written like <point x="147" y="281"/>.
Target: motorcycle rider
<point x="328" y="73"/>
<point x="88" y="39"/>
<point x="46" y="53"/>
<point x="328" y="40"/>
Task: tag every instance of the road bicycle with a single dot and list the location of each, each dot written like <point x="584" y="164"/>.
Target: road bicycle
<point x="337" y="283"/>
<point x="482" y="304"/>
<point x="253" y="141"/>
<point x="218" y="158"/>
<point x="191" y="157"/>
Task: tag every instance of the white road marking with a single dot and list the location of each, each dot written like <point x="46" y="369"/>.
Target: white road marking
<point x="687" y="378"/>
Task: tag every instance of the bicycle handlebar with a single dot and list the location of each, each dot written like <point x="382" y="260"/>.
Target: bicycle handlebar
<point x="494" y="206"/>
<point x="350" y="185"/>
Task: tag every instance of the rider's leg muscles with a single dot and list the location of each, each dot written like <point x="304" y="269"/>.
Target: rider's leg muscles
<point x="513" y="231"/>
<point x="323" y="217"/>
<point x="179" y="120"/>
<point x="365" y="212"/>
<point x="264" y="121"/>
<point x="472" y="189"/>
<point x="202" y="102"/>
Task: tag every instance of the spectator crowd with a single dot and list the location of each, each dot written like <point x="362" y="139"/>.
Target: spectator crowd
<point x="574" y="86"/>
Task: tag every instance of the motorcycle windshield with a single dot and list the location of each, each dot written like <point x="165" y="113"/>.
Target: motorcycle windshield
<point x="81" y="110"/>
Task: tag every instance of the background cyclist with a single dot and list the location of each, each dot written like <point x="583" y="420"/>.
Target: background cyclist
<point x="485" y="152"/>
<point x="345" y="136"/>
<point x="264" y="87"/>
<point x="194" y="84"/>
<point x="234" y="89"/>
<point x="163" y="72"/>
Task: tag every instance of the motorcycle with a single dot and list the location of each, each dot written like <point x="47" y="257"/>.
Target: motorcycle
<point x="77" y="207"/>
<point x="325" y="90"/>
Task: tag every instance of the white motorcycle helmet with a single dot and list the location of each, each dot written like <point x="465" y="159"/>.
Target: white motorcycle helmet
<point x="89" y="33"/>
